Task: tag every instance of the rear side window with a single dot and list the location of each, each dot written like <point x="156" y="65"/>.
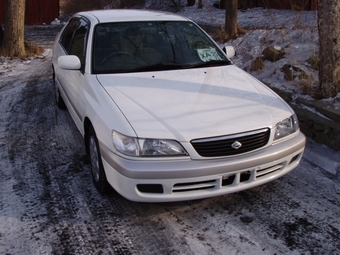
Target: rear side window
<point x="67" y="35"/>
<point x="78" y="42"/>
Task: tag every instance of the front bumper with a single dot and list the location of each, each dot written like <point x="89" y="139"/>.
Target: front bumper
<point x="187" y="179"/>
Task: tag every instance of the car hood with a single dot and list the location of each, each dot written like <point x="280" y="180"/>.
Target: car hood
<point x="194" y="103"/>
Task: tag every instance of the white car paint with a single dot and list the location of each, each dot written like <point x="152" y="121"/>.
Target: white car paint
<point x="190" y="104"/>
<point x="181" y="105"/>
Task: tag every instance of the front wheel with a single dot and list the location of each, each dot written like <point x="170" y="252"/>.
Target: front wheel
<point x="58" y="99"/>
<point x="97" y="169"/>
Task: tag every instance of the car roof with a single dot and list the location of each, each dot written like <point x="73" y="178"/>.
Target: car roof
<point x="119" y="15"/>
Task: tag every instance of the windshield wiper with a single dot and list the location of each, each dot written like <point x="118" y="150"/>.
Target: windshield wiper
<point x="158" y="67"/>
<point x="211" y="63"/>
<point x="168" y="66"/>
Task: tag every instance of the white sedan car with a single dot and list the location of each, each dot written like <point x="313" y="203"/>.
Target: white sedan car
<point x="164" y="113"/>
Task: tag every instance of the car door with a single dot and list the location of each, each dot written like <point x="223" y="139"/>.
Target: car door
<point x="73" y="82"/>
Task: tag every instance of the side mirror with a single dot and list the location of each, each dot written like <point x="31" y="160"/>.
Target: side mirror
<point x="69" y="62"/>
<point x="230" y="51"/>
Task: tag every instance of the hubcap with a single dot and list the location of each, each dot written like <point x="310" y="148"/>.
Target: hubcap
<point x="94" y="159"/>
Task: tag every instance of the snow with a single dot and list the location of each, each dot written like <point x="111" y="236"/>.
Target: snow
<point x="315" y="153"/>
<point x="256" y="18"/>
<point x="235" y="224"/>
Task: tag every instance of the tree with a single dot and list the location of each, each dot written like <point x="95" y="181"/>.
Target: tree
<point x="231" y="17"/>
<point x="329" y="32"/>
<point x="13" y="42"/>
<point x="176" y="4"/>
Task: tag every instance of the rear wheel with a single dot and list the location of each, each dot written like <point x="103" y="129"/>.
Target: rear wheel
<point x="97" y="169"/>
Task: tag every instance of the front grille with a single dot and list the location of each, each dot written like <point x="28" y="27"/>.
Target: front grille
<point x="222" y="146"/>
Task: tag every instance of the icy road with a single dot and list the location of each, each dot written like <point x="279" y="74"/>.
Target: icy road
<point x="48" y="204"/>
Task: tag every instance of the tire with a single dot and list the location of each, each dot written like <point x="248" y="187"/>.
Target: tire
<point x="97" y="169"/>
<point x="58" y="99"/>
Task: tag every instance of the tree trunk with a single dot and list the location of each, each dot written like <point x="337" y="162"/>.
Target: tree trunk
<point x="1" y="34"/>
<point x="13" y="42"/>
<point x="329" y="31"/>
<point x="200" y="4"/>
<point x="231" y="17"/>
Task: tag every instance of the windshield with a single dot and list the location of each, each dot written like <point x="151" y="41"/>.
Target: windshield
<point x="152" y="46"/>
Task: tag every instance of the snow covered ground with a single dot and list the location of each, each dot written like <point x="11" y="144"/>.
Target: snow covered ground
<point x="48" y="204"/>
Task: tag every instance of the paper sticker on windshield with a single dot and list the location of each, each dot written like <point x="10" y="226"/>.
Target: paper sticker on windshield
<point x="208" y="54"/>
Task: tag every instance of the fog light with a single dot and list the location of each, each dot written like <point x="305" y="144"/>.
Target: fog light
<point x="150" y="188"/>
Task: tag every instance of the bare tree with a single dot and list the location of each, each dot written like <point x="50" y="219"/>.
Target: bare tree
<point x="231" y="17"/>
<point x="329" y="31"/>
<point x="176" y="4"/>
<point x="13" y="42"/>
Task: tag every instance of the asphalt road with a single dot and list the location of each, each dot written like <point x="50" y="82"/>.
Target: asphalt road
<point x="48" y="204"/>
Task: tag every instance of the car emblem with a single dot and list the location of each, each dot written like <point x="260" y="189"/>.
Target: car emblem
<point x="236" y="145"/>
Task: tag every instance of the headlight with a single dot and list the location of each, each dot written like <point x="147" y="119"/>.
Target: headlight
<point x="286" y="127"/>
<point x="125" y="144"/>
<point x="156" y="147"/>
<point x="132" y="146"/>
